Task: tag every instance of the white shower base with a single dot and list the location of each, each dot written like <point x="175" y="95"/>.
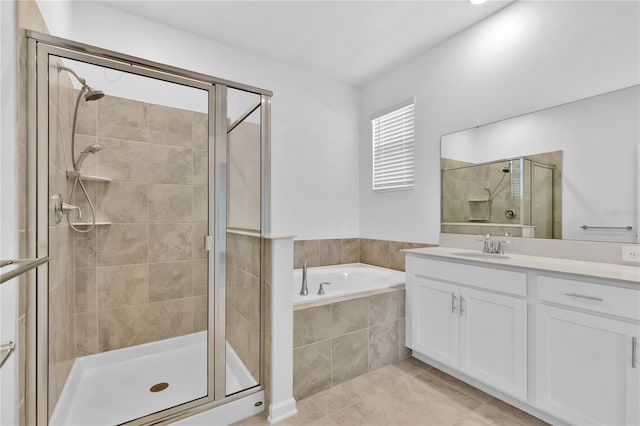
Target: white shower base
<point x="113" y="387"/>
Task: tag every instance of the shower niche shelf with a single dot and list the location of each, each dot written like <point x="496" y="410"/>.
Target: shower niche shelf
<point x="89" y="223"/>
<point x="86" y="178"/>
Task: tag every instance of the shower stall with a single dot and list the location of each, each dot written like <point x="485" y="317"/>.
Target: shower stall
<point x="150" y="184"/>
<point x="514" y="196"/>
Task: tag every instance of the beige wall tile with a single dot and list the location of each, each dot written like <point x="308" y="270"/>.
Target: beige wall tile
<point x="349" y="316"/>
<point x="311" y="325"/>
<point x="121" y="118"/>
<point x="122" y="327"/>
<point x="396" y="257"/>
<point x="86" y="290"/>
<point x="170" y="318"/>
<point x="121" y="244"/>
<point x="308" y="250"/>
<point x="349" y="356"/>
<point x="170" y="126"/>
<point x="170" y="281"/>
<point x="350" y="250"/>
<point x="200" y="208"/>
<point x="85" y="248"/>
<point x="200" y="161"/>
<point x="330" y="252"/>
<point x="384" y="308"/>
<point x="124" y="285"/>
<point x="87" y="122"/>
<point x="374" y="252"/>
<point x="200" y="313"/>
<point x="169" y="242"/>
<point x="200" y="130"/>
<point x="311" y="369"/>
<point x="244" y="337"/>
<point x="170" y="203"/>
<point x="383" y="344"/>
<point x="199" y="271"/>
<point x="86" y="333"/>
<point x="121" y="160"/>
<point x="123" y="202"/>
<point x="248" y="300"/>
<point x="169" y="164"/>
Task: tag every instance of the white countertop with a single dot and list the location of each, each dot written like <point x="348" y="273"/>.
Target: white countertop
<point x="591" y="269"/>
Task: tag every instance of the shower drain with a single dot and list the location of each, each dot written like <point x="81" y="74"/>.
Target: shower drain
<point x="159" y="387"/>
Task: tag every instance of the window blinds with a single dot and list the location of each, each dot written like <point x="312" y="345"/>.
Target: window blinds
<point x="393" y="158"/>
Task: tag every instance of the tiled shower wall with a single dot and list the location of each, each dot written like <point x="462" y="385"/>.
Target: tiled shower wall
<point x="61" y="247"/>
<point x="144" y="276"/>
<point x="384" y="253"/>
<point x="243" y="298"/>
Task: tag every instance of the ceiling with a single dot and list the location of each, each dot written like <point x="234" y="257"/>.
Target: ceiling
<point x="351" y="41"/>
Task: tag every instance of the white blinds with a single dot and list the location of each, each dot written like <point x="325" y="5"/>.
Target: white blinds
<point x="393" y="157"/>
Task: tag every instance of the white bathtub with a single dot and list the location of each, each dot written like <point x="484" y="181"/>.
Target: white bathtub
<point x="345" y="280"/>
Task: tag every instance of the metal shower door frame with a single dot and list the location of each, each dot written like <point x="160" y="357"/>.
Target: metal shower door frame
<point x="40" y="47"/>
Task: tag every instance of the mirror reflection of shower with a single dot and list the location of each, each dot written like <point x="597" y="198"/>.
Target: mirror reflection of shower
<point x="89" y="94"/>
<point x="505" y="170"/>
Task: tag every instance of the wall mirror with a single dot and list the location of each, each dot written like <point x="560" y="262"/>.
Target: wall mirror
<point x="566" y="172"/>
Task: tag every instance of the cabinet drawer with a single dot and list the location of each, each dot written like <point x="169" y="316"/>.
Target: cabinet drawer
<point x="512" y="282"/>
<point x="624" y="302"/>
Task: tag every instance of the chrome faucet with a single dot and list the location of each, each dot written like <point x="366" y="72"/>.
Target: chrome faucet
<point x="492" y="246"/>
<point x="321" y="289"/>
<point x="304" y="290"/>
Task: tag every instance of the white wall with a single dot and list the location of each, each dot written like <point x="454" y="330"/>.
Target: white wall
<point x="598" y="137"/>
<point x="526" y="57"/>
<point x="9" y="398"/>
<point x="314" y="119"/>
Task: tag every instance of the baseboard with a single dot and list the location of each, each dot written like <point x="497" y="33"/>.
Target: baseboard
<point x="282" y="410"/>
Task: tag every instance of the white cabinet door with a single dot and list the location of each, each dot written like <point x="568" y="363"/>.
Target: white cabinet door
<point x="435" y="320"/>
<point x="493" y="340"/>
<point x="584" y="371"/>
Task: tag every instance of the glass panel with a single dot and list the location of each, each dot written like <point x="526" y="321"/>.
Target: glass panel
<point x="243" y="304"/>
<point x="128" y="294"/>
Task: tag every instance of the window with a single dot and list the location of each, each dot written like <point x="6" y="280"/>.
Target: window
<point x="393" y="148"/>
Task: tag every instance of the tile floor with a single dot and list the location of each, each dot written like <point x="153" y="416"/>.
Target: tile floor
<point x="407" y="392"/>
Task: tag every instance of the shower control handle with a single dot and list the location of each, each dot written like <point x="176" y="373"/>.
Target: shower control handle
<point x="60" y="208"/>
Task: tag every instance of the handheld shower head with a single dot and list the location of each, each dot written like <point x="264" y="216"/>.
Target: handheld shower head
<point x="506" y="169"/>
<point x="91" y="149"/>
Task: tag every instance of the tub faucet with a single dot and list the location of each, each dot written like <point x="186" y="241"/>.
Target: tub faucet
<point x="304" y="290"/>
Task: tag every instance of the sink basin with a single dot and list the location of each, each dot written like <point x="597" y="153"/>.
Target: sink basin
<point x="481" y="255"/>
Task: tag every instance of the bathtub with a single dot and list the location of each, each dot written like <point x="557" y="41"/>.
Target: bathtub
<point x="345" y="280"/>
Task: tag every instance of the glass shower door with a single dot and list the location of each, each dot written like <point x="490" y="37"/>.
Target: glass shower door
<point x="128" y="299"/>
<point x="243" y="239"/>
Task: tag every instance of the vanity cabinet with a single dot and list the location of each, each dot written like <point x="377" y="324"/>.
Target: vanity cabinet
<point x="585" y="367"/>
<point x="479" y="332"/>
<point x="557" y="343"/>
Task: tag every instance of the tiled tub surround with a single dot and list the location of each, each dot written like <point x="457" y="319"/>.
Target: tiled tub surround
<point x="143" y="277"/>
<point x="335" y="342"/>
<point x="383" y="253"/>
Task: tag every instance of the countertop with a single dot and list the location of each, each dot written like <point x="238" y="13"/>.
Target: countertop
<point x="578" y="267"/>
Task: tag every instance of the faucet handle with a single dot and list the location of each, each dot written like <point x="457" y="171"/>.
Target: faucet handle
<point x="321" y="289"/>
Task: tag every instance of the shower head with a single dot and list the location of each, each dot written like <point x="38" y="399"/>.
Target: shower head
<point x="91" y="149"/>
<point x="506" y="169"/>
<point x="93" y="95"/>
